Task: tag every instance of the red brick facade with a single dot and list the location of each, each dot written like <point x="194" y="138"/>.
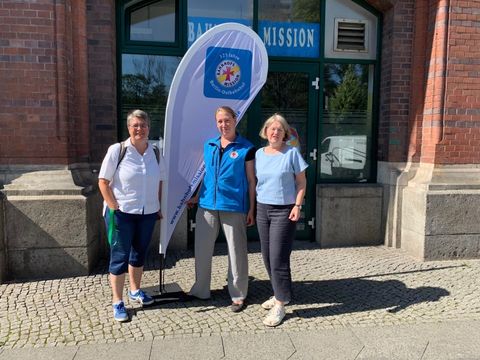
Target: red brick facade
<point x="431" y="81"/>
<point x="396" y="75"/>
<point x="102" y="73"/>
<point x="43" y="112"/>
<point x="58" y="90"/>
<point x="459" y="133"/>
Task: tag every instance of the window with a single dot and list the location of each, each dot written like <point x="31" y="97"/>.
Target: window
<point x="346" y="125"/>
<point x="145" y="85"/>
<point x="154" y="22"/>
<point x="290" y="28"/>
<point x="205" y="14"/>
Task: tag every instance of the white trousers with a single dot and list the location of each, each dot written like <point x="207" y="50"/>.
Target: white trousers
<point x="233" y="224"/>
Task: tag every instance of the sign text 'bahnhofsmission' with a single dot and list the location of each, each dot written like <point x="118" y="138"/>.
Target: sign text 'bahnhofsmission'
<point x="295" y="39"/>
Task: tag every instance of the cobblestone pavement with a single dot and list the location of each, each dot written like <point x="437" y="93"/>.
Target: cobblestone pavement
<point x="334" y="288"/>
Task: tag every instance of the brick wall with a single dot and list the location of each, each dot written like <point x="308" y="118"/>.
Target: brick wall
<point x="42" y="95"/>
<point x="102" y="76"/>
<point x="417" y="87"/>
<point x="397" y="52"/>
<point x="28" y="89"/>
<point x="436" y="77"/>
<point x="430" y="86"/>
<point x="445" y="120"/>
<point x="459" y="138"/>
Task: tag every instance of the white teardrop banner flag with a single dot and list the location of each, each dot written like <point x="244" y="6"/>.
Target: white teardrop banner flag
<point x="226" y="66"/>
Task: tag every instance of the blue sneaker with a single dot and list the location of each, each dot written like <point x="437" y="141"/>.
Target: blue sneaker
<point x="140" y="297"/>
<point x="119" y="312"/>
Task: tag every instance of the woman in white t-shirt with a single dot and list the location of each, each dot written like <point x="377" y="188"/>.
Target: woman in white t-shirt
<point x="281" y="183"/>
<point x="130" y="181"/>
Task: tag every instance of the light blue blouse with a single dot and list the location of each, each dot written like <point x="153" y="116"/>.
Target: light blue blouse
<point x="276" y="175"/>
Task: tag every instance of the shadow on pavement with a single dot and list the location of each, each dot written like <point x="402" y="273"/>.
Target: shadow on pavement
<point x="328" y="297"/>
<point x="355" y="295"/>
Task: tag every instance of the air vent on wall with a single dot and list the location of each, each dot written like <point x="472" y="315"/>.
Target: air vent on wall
<point x="350" y="35"/>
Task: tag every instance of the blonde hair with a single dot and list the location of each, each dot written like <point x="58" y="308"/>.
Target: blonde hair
<point x="228" y="110"/>
<point x="270" y="121"/>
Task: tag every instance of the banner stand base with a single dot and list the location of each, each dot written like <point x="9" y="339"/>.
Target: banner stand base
<point x="170" y="293"/>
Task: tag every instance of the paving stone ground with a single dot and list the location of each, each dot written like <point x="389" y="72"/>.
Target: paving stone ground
<point x="334" y="289"/>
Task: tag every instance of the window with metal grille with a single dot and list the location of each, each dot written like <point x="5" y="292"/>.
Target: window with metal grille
<point x="350" y="35"/>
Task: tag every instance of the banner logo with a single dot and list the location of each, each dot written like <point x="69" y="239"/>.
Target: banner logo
<point x="228" y="73"/>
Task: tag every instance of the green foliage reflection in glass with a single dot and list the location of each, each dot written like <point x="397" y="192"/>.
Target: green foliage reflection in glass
<point x="145" y="85"/>
<point x="346" y="88"/>
<point x="290" y="11"/>
<point x="146" y="81"/>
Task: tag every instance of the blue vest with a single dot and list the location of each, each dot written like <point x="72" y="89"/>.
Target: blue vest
<point x="225" y="185"/>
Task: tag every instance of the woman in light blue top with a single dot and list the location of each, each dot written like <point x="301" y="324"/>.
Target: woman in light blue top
<point x="281" y="183"/>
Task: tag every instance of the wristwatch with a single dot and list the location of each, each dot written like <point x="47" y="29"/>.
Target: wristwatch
<point x="299" y="206"/>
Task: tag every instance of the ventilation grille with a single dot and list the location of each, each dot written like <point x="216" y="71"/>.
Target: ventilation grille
<point x="350" y="35"/>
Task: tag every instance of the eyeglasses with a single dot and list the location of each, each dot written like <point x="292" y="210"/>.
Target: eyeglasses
<point x="139" y="126"/>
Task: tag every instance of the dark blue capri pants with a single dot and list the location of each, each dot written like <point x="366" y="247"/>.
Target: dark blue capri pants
<point x="276" y="233"/>
<point x="130" y="241"/>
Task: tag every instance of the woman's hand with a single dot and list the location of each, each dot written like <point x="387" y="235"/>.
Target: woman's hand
<point x="250" y="218"/>
<point x="301" y="185"/>
<point x="192" y="202"/>
<point x="113" y="206"/>
<point x="107" y="194"/>
<point x="294" y="214"/>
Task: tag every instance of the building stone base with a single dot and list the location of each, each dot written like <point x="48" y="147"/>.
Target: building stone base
<point x="349" y="215"/>
<point x="434" y="210"/>
<point x="51" y="223"/>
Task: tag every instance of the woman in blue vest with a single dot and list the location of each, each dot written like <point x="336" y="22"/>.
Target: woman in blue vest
<point x="280" y="171"/>
<point x="226" y="200"/>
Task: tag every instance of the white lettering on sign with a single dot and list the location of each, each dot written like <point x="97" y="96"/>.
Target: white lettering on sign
<point x="195" y="30"/>
<point x="285" y="36"/>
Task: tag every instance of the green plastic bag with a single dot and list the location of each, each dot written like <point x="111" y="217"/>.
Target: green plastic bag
<point x="111" y="226"/>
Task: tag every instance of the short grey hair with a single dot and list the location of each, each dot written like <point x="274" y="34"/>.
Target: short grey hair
<point x="270" y="121"/>
<point x="138" y="114"/>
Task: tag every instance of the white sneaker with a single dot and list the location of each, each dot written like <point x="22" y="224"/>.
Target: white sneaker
<point x="270" y="303"/>
<point x="275" y="315"/>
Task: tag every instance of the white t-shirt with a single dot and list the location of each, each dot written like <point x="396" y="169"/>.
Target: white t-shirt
<point x="136" y="182"/>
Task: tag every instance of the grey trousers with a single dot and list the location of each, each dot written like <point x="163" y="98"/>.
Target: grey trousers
<point x="233" y="224"/>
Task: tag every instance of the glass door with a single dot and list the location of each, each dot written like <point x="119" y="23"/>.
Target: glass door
<point x="291" y="90"/>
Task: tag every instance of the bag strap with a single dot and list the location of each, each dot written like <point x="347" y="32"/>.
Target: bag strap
<point x="121" y="155"/>
<point x="156" y="150"/>
<point x="123" y="150"/>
